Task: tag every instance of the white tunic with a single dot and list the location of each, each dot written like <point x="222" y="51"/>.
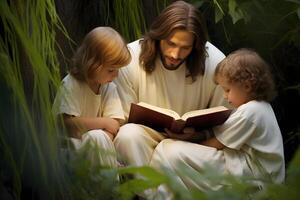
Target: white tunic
<point x="139" y="145"/>
<point x="255" y="142"/>
<point x="169" y="88"/>
<point x="164" y="88"/>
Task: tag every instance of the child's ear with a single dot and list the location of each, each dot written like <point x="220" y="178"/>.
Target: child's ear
<point x="248" y="87"/>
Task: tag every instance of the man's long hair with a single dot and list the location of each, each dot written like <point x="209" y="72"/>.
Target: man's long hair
<point x="178" y="15"/>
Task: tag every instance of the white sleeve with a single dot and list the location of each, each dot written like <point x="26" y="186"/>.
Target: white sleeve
<point x="111" y="104"/>
<point x="67" y="101"/>
<point x="235" y="132"/>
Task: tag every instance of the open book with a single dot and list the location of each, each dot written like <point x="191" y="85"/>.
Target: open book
<point x="160" y="118"/>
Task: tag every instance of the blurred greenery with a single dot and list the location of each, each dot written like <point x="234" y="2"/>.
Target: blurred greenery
<point x="28" y="131"/>
<point x="272" y="28"/>
<point x="37" y="40"/>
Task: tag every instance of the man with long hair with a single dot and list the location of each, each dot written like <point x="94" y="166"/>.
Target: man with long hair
<point x="172" y="67"/>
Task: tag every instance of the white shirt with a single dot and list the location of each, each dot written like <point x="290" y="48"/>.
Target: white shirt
<point x="76" y="98"/>
<point x="254" y="140"/>
<point x="169" y="88"/>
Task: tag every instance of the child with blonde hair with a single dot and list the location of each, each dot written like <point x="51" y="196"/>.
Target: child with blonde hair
<point x="87" y="99"/>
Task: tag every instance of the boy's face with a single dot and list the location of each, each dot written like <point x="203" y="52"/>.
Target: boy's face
<point x="235" y="93"/>
<point x="105" y="74"/>
<point x="176" y="48"/>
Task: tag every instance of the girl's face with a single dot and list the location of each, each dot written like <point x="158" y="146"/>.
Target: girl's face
<point x="104" y="74"/>
<point x="235" y="93"/>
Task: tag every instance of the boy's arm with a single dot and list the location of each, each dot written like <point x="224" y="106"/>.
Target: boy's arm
<point x="76" y="126"/>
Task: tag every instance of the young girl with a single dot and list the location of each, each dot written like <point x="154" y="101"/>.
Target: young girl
<point x="249" y="143"/>
<point x="87" y="99"/>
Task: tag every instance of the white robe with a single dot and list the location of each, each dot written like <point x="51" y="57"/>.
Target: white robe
<point x="170" y="89"/>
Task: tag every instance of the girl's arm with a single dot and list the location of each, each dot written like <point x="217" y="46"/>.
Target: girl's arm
<point x="76" y="126"/>
<point x="121" y="121"/>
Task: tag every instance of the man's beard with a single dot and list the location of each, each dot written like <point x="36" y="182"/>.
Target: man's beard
<point x="170" y="66"/>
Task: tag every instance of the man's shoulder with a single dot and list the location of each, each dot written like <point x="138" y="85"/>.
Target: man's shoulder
<point x="135" y="44"/>
<point x="134" y="48"/>
<point x="213" y="51"/>
<point x="213" y="57"/>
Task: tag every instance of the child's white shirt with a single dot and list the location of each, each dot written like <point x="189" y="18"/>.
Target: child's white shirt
<point x="254" y="140"/>
<point x="76" y="98"/>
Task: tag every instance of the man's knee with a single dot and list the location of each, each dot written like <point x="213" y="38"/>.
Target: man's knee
<point x="128" y="133"/>
<point x="170" y="150"/>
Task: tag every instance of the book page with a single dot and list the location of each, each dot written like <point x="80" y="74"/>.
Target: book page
<point x="161" y="110"/>
<point x="203" y="112"/>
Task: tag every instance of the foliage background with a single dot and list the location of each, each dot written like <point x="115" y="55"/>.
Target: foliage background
<point x="39" y="37"/>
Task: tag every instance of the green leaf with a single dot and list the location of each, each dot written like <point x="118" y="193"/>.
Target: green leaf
<point x="197" y="3"/>
<point x="146" y="172"/>
<point x="219" y="13"/>
<point x="235" y="13"/>
<point x="298" y="12"/>
<point x="135" y="186"/>
<point x="295" y="163"/>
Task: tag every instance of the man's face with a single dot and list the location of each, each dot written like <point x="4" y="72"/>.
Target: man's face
<point x="176" y="48"/>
